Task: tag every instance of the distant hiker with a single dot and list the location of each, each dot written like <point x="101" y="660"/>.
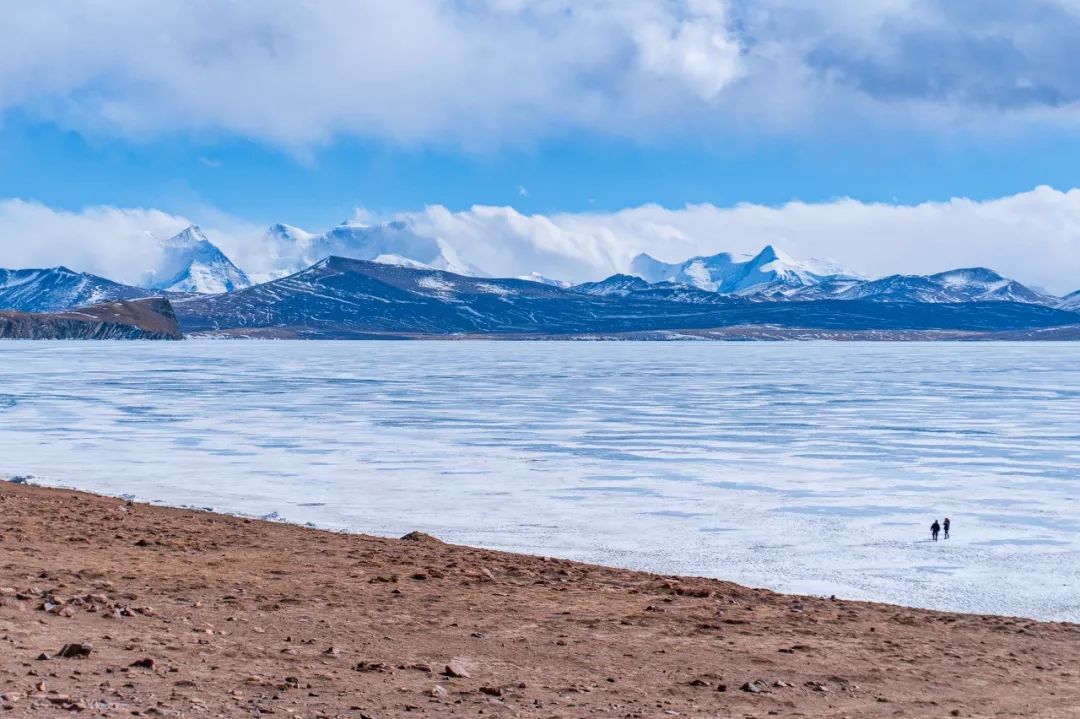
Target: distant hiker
<point x="945" y="526"/>
<point x="934" y="529"/>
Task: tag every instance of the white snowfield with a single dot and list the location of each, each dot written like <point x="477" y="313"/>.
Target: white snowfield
<point x="811" y="468"/>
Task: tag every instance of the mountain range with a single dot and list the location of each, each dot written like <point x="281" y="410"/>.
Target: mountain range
<point x="347" y="298"/>
<point x="769" y="273"/>
<point x="378" y="280"/>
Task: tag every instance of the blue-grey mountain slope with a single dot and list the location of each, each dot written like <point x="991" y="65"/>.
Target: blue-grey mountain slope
<point x="58" y="288"/>
<point x="1070" y="302"/>
<point x="616" y="285"/>
<point x="983" y="284"/>
<point x="972" y="284"/>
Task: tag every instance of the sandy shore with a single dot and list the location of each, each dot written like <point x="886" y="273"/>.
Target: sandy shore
<point x="169" y="612"/>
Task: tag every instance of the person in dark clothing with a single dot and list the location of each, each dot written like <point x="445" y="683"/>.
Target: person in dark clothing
<point x="934" y="529"/>
<point x="945" y="526"/>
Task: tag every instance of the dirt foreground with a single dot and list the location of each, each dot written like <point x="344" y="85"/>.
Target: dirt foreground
<point x="119" y="609"/>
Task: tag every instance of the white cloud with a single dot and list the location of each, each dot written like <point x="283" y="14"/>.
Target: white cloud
<point x="109" y="241"/>
<point x="477" y="73"/>
<point x="118" y="243"/>
<point x="1032" y="236"/>
<point x="292" y="73"/>
<point x="697" y="50"/>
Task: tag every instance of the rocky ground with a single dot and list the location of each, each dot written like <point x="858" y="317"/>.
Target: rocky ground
<point x="119" y="609"/>
<point x="142" y="319"/>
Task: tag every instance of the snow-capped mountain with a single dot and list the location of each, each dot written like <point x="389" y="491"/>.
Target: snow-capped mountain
<point x="194" y="264"/>
<point x="616" y="285"/>
<point x="971" y="284"/>
<point x="58" y="288"/>
<point x="772" y="275"/>
<point x="769" y="271"/>
<point x="1070" y="301"/>
<point x="285" y="246"/>
<point x="901" y="288"/>
<point x="394" y="243"/>
<point x="980" y="284"/>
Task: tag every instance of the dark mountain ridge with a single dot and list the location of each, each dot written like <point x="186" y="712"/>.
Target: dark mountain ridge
<point x="342" y="298"/>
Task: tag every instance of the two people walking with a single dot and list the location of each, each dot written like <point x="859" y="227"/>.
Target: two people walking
<point x="936" y="528"/>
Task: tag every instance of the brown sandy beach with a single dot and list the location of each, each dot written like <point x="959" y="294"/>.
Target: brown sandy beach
<point x="170" y="612"/>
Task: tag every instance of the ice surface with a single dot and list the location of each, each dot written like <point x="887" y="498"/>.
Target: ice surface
<point x="803" y="467"/>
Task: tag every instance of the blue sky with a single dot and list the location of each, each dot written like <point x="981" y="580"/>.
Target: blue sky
<point x="267" y="184"/>
<point x="239" y="115"/>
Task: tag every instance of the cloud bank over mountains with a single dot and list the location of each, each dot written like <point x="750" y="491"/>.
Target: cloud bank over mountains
<point x="1032" y="236"/>
<point x="477" y="73"/>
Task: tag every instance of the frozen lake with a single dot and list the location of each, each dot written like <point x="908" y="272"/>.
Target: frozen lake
<point x="810" y="468"/>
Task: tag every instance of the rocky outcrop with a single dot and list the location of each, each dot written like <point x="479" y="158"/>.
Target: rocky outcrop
<point x="149" y="319"/>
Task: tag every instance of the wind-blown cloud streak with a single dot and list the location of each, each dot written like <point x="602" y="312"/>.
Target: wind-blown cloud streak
<point x="1030" y="236"/>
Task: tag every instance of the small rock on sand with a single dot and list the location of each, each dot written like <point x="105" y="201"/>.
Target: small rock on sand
<point x="75" y="650"/>
<point x="421" y="537"/>
<point x="456" y="669"/>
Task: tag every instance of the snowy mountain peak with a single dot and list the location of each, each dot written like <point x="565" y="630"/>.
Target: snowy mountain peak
<point x="395" y="242"/>
<point x="769" y="271"/>
<point x="194" y="264"/>
<point x="968" y="276"/>
<point x="542" y="279"/>
<point x="188" y="237"/>
<point x="983" y="284"/>
<point x="288" y="233"/>
<point x="771" y="254"/>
